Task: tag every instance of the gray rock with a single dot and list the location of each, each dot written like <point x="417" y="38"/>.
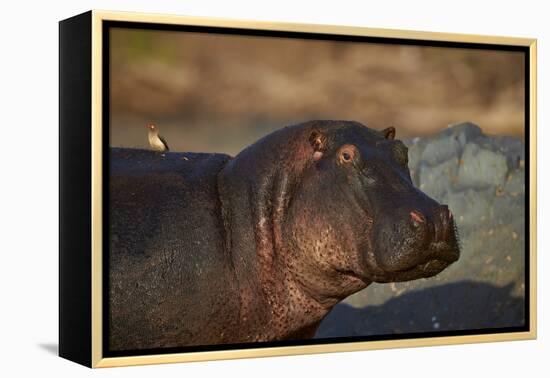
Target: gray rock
<point x="470" y="207"/>
<point x="463" y="132"/>
<point x="437" y="180"/>
<point x="481" y="168"/>
<point x="441" y="149"/>
<point x="515" y="183"/>
<point x="416" y="147"/>
<point x="449" y="143"/>
<point x="512" y="148"/>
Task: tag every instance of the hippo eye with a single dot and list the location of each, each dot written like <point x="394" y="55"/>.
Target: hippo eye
<point x="347" y="153"/>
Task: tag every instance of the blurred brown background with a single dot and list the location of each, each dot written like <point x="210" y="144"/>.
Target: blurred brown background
<point x="219" y="93"/>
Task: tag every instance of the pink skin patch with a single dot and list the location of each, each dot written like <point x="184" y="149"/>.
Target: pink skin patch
<point x="417" y="216"/>
<point x="317" y="155"/>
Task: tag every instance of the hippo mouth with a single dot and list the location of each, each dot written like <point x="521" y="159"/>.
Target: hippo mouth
<point x="420" y="244"/>
<point x="428" y="269"/>
<point x="441" y="256"/>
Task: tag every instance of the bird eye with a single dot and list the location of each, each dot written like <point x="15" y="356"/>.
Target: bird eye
<point x="346" y="156"/>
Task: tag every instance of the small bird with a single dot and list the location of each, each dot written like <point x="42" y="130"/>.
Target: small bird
<point x="157" y="142"/>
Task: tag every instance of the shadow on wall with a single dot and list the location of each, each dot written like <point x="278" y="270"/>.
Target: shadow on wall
<point x="455" y="306"/>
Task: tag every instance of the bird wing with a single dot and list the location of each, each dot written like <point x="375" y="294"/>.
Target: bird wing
<point x="164" y="142"/>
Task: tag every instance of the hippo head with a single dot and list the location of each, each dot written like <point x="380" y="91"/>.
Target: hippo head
<point x="357" y="211"/>
<point x="332" y="202"/>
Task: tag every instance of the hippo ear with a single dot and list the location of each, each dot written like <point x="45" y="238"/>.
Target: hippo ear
<point x="389" y="133"/>
<point x="318" y="143"/>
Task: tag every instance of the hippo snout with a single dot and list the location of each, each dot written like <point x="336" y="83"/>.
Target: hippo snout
<point x="437" y="226"/>
<point x="423" y="240"/>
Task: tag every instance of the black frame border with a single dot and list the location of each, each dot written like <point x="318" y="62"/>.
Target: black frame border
<point x="75" y="191"/>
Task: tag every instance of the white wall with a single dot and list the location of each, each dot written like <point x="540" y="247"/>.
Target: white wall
<point x="28" y="185"/>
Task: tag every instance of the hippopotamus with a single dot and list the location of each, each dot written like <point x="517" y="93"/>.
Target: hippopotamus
<point x="208" y="249"/>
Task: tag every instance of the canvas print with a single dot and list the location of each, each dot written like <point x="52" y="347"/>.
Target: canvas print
<point x="270" y="189"/>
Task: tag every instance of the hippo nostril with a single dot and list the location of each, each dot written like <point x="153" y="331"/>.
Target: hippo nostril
<point x="417" y="217"/>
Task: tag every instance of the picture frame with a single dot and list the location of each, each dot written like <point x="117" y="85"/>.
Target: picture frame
<point x="84" y="121"/>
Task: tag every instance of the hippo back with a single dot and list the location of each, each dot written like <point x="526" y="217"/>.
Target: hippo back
<point x="166" y="247"/>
